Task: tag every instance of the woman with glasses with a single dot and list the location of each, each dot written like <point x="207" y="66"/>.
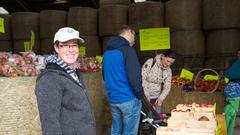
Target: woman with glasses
<point x="62" y="98"/>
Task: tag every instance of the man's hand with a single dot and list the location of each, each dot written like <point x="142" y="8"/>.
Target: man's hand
<point x="159" y="102"/>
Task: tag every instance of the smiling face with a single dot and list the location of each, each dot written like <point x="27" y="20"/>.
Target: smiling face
<point x="68" y="51"/>
<point x="167" y="61"/>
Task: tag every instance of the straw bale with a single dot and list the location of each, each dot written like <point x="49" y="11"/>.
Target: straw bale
<point x="83" y="19"/>
<point x="23" y="23"/>
<point x="104" y="42"/>
<point x="111" y="18"/>
<point x="146" y="15"/>
<point x="5" y="45"/>
<point x="92" y="44"/>
<point x="51" y="21"/>
<point x="96" y="90"/>
<point x="46" y="46"/>
<point x="190" y="44"/>
<point x="218" y="14"/>
<point x="18" y="113"/>
<point x="223" y="41"/>
<point x="114" y="2"/>
<point x="18" y="45"/>
<point x="183" y="14"/>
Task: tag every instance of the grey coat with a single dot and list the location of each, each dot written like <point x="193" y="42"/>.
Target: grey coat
<point x="64" y="106"/>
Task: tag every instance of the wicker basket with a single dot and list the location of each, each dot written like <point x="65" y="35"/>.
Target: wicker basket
<point x="200" y="75"/>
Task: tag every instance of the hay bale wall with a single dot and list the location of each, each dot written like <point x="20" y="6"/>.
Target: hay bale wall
<point x="111" y="18"/>
<point x="92" y="44"/>
<point x="23" y="23"/>
<point x="114" y="2"/>
<point x="47" y="46"/>
<point x="83" y="19"/>
<point x="191" y="46"/>
<point x="183" y="14"/>
<point x="219" y="14"/>
<point x="51" y="21"/>
<point x="223" y="41"/>
<point x="146" y="15"/>
<point x="5" y="45"/>
<point x="18" y="45"/>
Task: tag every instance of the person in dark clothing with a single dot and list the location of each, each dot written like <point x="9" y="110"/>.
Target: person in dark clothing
<point x="123" y="82"/>
<point x="63" y="102"/>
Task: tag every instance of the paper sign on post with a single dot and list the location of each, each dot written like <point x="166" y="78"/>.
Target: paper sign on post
<point x="219" y="129"/>
<point x="154" y="39"/>
<point x="82" y="50"/>
<point x="214" y="109"/>
<point x="210" y="77"/>
<point x="99" y="59"/>
<point x="26" y="45"/>
<point x="32" y="39"/>
<point x="2" y="28"/>
<point x="186" y="74"/>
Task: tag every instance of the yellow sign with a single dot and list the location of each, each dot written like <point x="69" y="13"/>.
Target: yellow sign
<point x="2" y="28"/>
<point x="99" y="59"/>
<point x="219" y="129"/>
<point x="82" y="50"/>
<point x="154" y="39"/>
<point x="226" y="79"/>
<point x="26" y="45"/>
<point x="210" y="77"/>
<point x="32" y="39"/>
<point x="186" y="74"/>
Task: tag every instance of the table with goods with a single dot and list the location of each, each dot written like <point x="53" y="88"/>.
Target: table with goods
<point x="195" y="106"/>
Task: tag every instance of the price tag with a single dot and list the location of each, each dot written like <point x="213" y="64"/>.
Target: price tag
<point x="226" y="79"/>
<point x="82" y="50"/>
<point x="99" y="59"/>
<point x="210" y="77"/>
<point x="186" y="74"/>
<point x="2" y="28"/>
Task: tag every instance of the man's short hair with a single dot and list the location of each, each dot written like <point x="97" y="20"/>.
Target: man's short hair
<point x="123" y="29"/>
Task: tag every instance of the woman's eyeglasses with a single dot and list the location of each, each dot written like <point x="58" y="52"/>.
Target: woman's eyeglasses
<point x="68" y="46"/>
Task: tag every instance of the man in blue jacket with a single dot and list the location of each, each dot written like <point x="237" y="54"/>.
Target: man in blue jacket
<point x="123" y="82"/>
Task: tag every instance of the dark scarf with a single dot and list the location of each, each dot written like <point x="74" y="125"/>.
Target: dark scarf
<point x="56" y="60"/>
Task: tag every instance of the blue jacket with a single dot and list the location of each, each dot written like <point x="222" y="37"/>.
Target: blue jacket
<point x="121" y="71"/>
